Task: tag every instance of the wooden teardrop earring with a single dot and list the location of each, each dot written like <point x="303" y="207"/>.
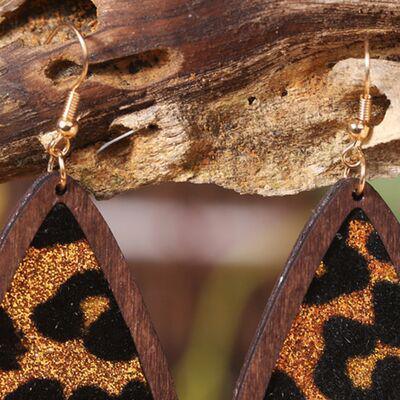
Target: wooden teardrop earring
<point x="331" y="328"/>
<point x="73" y="325"/>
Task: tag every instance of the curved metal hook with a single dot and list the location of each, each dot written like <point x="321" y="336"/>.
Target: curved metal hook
<point x="367" y="79"/>
<point x="67" y="126"/>
<point x="82" y="42"/>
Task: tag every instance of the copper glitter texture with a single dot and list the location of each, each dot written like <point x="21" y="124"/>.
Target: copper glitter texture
<point x="305" y="346"/>
<point x="37" y="280"/>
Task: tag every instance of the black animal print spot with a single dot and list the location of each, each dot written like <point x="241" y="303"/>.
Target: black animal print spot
<point x="61" y="318"/>
<point x="345" y="338"/>
<point x="376" y="248"/>
<point x="90" y="393"/>
<point x="281" y="386"/>
<point x="59" y="227"/>
<point x="387" y="312"/>
<point x="11" y="347"/>
<point x="346" y="269"/>
<point x="46" y="389"/>
<point x="134" y="390"/>
<point x="38" y="389"/>
<point x="107" y="337"/>
<point x="386" y="379"/>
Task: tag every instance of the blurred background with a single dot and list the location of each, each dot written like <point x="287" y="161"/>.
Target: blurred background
<point x="206" y="260"/>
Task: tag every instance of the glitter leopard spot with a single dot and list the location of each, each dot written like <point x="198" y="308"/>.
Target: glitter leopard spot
<point x="85" y="342"/>
<point x="345" y="340"/>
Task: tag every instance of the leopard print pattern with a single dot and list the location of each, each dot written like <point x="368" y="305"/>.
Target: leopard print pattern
<point x="62" y="335"/>
<point x="345" y="341"/>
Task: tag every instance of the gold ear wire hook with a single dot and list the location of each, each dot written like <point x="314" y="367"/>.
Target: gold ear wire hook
<point x="67" y="123"/>
<point x="360" y="129"/>
<point x="67" y="126"/>
<point x="367" y="60"/>
<point x="353" y="156"/>
<point x="82" y="42"/>
<point x="364" y="115"/>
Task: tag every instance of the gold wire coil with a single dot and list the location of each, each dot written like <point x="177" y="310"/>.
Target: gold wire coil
<point x="353" y="156"/>
<point x="364" y="113"/>
<point x="71" y="106"/>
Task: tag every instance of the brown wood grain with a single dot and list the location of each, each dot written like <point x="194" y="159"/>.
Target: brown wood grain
<point x="21" y="229"/>
<point x="215" y="91"/>
<point x="298" y="273"/>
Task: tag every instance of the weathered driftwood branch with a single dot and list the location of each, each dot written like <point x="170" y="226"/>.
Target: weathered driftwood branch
<point x="251" y="95"/>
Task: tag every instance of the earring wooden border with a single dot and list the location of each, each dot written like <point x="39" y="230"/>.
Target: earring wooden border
<point x="298" y="273"/>
<point x="19" y="233"/>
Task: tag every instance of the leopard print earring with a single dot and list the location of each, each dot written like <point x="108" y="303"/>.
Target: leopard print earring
<point x="331" y="329"/>
<point x="73" y="324"/>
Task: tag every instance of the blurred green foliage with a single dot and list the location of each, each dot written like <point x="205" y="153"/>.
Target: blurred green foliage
<point x="389" y="189"/>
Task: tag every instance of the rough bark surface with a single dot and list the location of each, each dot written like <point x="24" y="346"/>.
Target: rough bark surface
<point x="251" y="95"/>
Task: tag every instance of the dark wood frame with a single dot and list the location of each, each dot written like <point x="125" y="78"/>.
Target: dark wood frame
<point x="21" y="229"/>
<point x="299" y="271"/>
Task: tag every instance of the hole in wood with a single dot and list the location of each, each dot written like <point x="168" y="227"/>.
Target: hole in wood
<point x="252" y="100"/>
<point x="393" y="57"/>
<point x="33" y="21"/>
<point x="62" y="69"/>
<point x="60" y="191"/>
<point x="357" y="197"/>
<point x="148" y="59"/>
<point x="132" y="71"/>
<point x="380" y="105"/>
<point x="153" y="127"/>
<point x="137" y="69"/>
<point x="330" y="64"/>
<point x="136" y="63"/>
